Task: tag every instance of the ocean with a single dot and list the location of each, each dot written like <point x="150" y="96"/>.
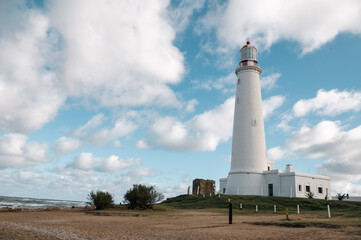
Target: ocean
<point x="32" y="203"/>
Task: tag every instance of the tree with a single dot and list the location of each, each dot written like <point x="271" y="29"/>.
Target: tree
<point x="100" y="199"/>
<point x="340" y="196"/>
<point x="142" y="197"/>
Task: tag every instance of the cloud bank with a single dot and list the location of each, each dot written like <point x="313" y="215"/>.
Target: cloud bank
<point x="268" y="22"/>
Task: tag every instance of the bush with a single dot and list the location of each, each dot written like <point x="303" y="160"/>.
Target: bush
<point x="341" y="196"/>
<point x="142" y="197"/>
<point x="100" y="199"/>
<point x="309" y="194"/>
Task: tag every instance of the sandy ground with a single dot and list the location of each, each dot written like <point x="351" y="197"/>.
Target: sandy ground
<point x="76" y="224"/>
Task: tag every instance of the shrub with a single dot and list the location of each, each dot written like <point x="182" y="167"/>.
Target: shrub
<point x="340" y="196"/>
<point x="100" y="199"/>
<point x="310" y="194"/>
<point x="142" y="197"/>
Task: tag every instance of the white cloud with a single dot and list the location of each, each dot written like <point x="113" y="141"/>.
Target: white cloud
<point x="91" y="131"/>
<point x="181" y="14"/>
<point x="106" y="53"/>
<point x="201" y="133"/>
<point x="346" y="187"/>
<point x="142" y="172"/>
<point x="329" y="103"/>
<point x="142" y="144"/>
<point x="29" y="90"/>
<point x="87" y="161"/>
<point x="172" y="191"/>
<point x="17" y="152"/>
<point x="223" y="83"/>
<point x="118" y="52"/>
<point x="271" y="104"/>
<point x="121" y="128"/>
<point x="268" y="82"/>
<point x="227" y="159"/>
<point x="339" y="148"/>
<point x="117" y="144"/>
<point x="275" y="153"/>
<point x="115" y="164"/>
<point x="65" y="145"/>
<point x="267" y="22"/>
<point x="191" y="104"/>
<point x="94" y="122"/>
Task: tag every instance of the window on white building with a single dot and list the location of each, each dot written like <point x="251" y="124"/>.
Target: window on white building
<point x="224" y="190"/>
<point x="308" y="189"/>
<point x="320" y="190"/>
<point x="300" y="187"/>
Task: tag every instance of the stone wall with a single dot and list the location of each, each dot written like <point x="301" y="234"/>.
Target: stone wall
<point x="205" y="186"/>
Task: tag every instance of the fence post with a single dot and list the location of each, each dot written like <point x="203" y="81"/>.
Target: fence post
<point x="230" y="213"/>
<point x="298" y="209"/>
<point x="256" y="208"/>
<point x="274" y="208"/>
<point x="328" y="210"/>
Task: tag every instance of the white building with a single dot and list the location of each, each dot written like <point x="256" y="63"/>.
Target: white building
<point x="251" y="173"/>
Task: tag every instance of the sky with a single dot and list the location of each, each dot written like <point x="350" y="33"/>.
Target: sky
<point x="101" y="95"/>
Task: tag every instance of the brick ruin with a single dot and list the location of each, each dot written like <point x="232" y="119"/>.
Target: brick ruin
<point x="205" y="186"/>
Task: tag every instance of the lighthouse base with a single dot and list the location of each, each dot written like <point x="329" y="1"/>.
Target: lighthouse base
<point x="245" y="184"/>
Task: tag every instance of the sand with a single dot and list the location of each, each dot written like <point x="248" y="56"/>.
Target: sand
<point x="77" y="224"/>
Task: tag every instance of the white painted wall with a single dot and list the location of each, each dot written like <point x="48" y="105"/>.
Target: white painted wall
<point x="245" y="184"/>
<point x="315" y="182"/>
<point x="248" y="142"/>
<point x="282" y="182"/>
<point x="222" y="185"/>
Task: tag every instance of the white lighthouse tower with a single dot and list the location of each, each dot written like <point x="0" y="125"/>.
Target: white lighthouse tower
<point x="251" y="173"/>
<point x="249" y="144"/>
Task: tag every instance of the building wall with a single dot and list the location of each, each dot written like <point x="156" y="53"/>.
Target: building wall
<point x="283" y="184"/>
<point x="319" y="185"/>
<point x="222" y="185"/>
<point x="272" y="177"/>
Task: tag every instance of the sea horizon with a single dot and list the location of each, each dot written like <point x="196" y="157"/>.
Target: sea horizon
<point x="34" y="203"/>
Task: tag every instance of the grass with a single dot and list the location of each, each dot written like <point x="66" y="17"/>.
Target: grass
<point x="265" y="204"/>
<point x="314" y="211"/>
<point x="344" y="213"/>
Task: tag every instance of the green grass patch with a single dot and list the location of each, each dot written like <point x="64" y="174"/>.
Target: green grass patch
<point x="265" y="205"/>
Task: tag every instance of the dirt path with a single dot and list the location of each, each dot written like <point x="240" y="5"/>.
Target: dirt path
<point x="180" y="225"/>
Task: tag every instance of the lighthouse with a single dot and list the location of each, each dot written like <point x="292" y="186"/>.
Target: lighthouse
<point x="251" y="173"/>
<point x="249" y="158"/>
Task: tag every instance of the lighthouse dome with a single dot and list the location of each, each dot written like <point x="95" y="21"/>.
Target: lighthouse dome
<point x="248" y="52"/>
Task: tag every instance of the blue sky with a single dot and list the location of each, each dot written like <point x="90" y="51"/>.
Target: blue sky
<point x="101" y="95"/>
